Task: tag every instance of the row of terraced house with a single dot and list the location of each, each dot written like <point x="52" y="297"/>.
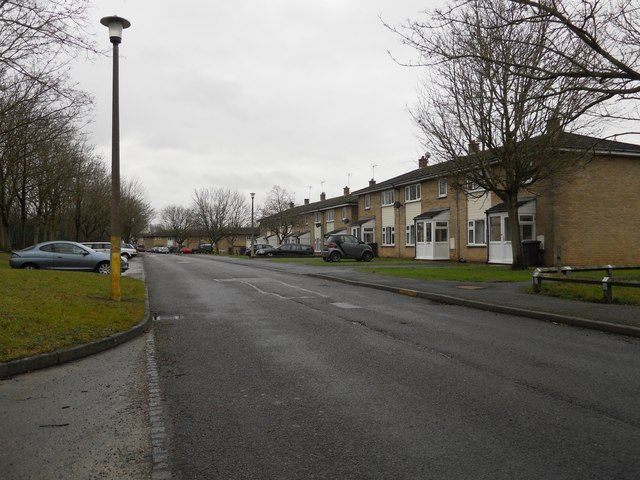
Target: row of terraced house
<point x="590" y="216"/>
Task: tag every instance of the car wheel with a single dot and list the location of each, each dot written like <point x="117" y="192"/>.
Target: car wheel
<point x="326" y="259"/>
<point x="335" y="257"/>
<point x="104" y="268"/>
<point x="367" y="256"/>
<point x="269" y="254"/>
<point x="30" y="266"/>
<point x="126" y="255"/>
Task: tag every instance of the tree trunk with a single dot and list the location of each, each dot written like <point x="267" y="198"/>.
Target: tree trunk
<point x="5" y="244"/>
<point x="514" y="233"/>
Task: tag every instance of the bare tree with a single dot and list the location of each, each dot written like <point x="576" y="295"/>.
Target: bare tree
<point x="217" y="211"/>
<point x="178" y="222"/>
<point x="474" y="93"/>
<point x="136" y="211"/>
<point x="277" y="215"/>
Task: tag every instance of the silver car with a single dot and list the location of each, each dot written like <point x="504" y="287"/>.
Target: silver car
<point x="61" y="255"/>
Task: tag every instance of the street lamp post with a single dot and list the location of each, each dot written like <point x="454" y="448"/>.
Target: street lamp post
<point x="115" y="25"/>
<point x="253" y="233"/>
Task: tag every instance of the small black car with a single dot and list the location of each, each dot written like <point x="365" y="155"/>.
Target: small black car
<point x="346" y="246"/>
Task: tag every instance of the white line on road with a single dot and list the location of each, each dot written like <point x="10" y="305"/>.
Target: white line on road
<point x="344" y="305"/>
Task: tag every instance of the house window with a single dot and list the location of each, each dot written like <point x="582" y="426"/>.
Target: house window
<point x="367" y="235"/>
<point x="442" y="231"/>
<point x="476" y="232"/>
<point x="388" y="197"/>
<point x="329" y="215"/>
<point x="527" y="227"/>
<point x="472" y="186"/>
<point x="367" y="202"/>
<point x="318" y="217"/>
<point x="410" y="235"/>
<point x="388" y="236"/>
<point x="344" y="212"/>
<point x="442" y="187"/>
<point x="420" y="232"/>
<point x="412" y="193"/>
<point x="355" y="231"/>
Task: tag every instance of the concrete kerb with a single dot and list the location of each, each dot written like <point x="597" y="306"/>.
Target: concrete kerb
<point x="23" y="365"/>
<point x="492" y="307"/>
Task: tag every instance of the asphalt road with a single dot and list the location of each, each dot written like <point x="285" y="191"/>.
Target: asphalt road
<point x="266" y="375"/>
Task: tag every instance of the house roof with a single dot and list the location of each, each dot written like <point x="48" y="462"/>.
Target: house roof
<point x="431" y="213"/>
<point x="318" y="206"/>
<point x="567" y="141"/>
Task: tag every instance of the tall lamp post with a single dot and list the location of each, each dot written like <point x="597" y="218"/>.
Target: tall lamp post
<point x="253" y="233"/>
<point x="115" y="25"/>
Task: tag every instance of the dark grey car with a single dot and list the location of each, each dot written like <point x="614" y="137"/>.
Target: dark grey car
<point x="60" y="255"/>
<point x="341" y="246"/>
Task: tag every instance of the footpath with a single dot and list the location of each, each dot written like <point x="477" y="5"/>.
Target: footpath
<point x="501" y="297"/>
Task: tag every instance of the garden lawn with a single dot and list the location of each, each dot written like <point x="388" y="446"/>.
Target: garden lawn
<point x="46" y="310"/>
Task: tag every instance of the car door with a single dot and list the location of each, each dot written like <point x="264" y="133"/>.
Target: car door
<point x="70" y="257"/>
<point x="44" y="256"/>
<point x="350" y="246"/>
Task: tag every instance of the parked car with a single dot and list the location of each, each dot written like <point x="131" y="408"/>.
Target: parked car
<point x="141" y="248"/>
<point x="126" y="250"/>
<point x="286" y="250"/>
<point x="186" y="250"/>
<point x="341" y="246"/>
<point x="162" y="249"/>
<point x="60" y="255"/>
<point x="256" y="247"/>
<point x="204" y="248"/>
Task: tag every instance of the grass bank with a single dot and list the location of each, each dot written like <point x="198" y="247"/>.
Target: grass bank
<point x="45" y="310"/>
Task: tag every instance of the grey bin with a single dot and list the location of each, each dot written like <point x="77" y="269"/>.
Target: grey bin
<point x="531" y="252"/>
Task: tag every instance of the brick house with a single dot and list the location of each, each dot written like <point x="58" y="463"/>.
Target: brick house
<point x="589" y="216"/>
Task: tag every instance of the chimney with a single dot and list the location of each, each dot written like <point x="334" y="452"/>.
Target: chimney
<point x="423" y="161"/>
<point x="474" y="147"/>
<point x="291" y="204"/>
<point x="306" y="201"/>
<point x="345" y="191"/>
<point x="372" y="182"/>
<point x="323" y="196"/>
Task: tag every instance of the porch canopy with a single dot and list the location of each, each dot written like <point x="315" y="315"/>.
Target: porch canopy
<point x="357" y="223"/>
<point x="431" y="213"/>
<point x="502" y="207"/>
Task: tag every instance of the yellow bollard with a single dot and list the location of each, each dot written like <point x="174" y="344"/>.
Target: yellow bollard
<point x="115" y="269"/>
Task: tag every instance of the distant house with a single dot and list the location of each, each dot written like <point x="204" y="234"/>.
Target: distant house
<point x="236" y="242"/>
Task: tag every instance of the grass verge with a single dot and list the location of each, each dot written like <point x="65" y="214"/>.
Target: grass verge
<point x="593" y="293"/>
<point x="45" y="310"/>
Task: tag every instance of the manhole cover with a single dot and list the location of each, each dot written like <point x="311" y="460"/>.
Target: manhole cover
<point x="471" y="287"/>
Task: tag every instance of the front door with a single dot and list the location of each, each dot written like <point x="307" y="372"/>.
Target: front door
<point x="424" y="240"/>
<point x="499" y="241"/>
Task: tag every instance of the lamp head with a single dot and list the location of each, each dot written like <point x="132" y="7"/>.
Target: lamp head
<point x="252" y="194"/>
<point x="116" y="25"/>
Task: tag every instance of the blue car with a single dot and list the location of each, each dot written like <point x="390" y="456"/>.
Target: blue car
<point x="61" y="255"/>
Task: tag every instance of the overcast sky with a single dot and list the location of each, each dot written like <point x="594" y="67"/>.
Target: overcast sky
<point x="248" y="94"/>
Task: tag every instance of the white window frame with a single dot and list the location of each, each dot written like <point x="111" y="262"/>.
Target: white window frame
<point x="531" y="222"/>
<point x="344" y="212"/>
<point x="412" y="193"/>
<point x="318" y="217"/>
<point x="329" y="216"/>
<point x="357" y="232"/>
<point x="366" y="231"/>
<point x="367" y="201"/>
<point x="388" y="236"/>
<point x="442" y="182"/>
<point x="471" y="228"/>
<point x="385" y="200"/>
<point x="410" y="235"/>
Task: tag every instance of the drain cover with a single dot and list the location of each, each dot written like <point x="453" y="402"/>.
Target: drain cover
<point x="167" y="317"/>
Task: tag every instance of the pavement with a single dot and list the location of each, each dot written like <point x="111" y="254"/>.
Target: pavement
<point x="497" y="294"/>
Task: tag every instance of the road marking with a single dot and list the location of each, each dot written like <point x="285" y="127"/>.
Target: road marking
<point x="303" y="289"/>
<point x="344" y="305"/>
<point x="160" y="455"/>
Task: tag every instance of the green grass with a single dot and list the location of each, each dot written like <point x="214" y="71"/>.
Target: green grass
<point x="424" y="270"/>
<point x="593" y="293"/>
<point x="44" y="310"/>
<point x="456" y="272"/>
